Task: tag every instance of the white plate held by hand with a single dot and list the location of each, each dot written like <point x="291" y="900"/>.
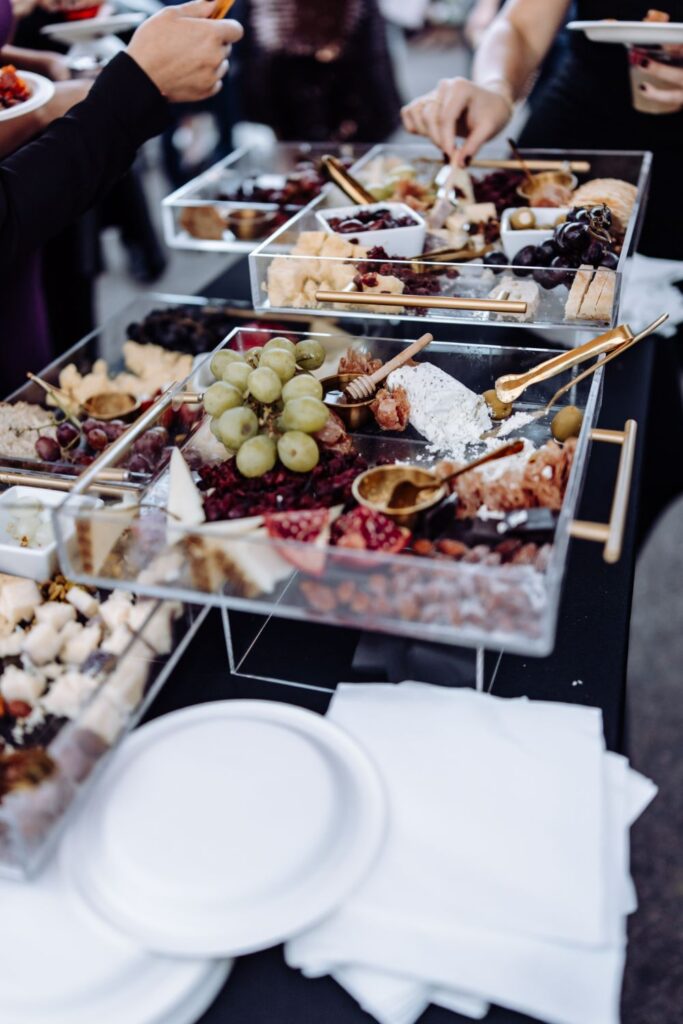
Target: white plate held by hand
<point x="228" y="827"/>
<point x="631" y="33"/>
<point x="42" y="90"/>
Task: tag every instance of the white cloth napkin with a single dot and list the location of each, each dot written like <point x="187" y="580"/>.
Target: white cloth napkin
<point x="504" y="877"/>
<point x="649" y="292"/>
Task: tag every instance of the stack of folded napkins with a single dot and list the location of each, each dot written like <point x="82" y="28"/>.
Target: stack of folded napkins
<point x="505" y="873"/>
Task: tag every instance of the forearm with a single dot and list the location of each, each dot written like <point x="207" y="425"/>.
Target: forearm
<point x="27" y="60"/>
<point x="516" y="44"/>
<point x="52" y="180"/>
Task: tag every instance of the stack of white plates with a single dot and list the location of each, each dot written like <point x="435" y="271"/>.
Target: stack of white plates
<point x="215" y="831"/>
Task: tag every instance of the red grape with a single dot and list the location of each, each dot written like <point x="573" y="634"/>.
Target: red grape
<point x="97" y="438"/>
<point x="47" y="449"/>
<point x="66" y="434"/>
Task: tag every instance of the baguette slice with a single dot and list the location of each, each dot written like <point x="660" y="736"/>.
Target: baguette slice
<point x="577" y="293"/>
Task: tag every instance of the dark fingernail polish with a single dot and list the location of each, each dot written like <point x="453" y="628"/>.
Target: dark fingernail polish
<point x="642" y="88"/>
<point x="468" y="161"/>
<point x="644" y="63"/>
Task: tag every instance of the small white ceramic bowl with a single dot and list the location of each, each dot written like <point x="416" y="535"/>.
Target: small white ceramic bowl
<point x="29" y="509"/>
<point x="405" y="242"/>
<point x="546" y="218"/>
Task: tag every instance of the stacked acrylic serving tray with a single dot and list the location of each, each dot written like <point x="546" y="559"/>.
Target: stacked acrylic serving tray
<point x="304" y="266"/>
<point x="236" y="563"/>
<point x="246" y="196"/>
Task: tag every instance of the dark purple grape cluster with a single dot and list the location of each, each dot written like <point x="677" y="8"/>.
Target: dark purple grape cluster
<point x="193" y="329"/>
<point x="584" y="238"/>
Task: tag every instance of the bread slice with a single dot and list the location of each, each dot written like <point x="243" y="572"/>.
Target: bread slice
<point x="597" y="305"/>
<point x="577" y="293"/>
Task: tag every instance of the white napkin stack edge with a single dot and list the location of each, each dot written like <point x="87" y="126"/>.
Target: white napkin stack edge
<point x="397" y="992"/>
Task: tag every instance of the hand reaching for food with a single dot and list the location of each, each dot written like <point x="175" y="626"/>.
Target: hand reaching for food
<point x="184" y="50"/>
<point x="458" y="107"/>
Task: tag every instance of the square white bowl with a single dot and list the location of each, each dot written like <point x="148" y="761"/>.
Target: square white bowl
<point x="546" y="216"/>
<point x="36" y="563"/>
<point x="404" y="242"/>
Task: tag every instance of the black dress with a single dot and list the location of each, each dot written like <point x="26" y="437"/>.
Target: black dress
<point x="587" y="105"/>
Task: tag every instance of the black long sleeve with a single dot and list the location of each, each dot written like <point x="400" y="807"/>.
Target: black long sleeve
<point x="48" y="182"/>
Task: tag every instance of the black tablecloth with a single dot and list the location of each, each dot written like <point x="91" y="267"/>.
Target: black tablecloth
<point x="588" y="665"/>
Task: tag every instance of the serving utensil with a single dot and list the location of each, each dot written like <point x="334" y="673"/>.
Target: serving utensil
<point x="349" y="185"/>
<point x="524" y="167"/>
<point x="410" y="491"/>
<point x="422" y="301"/>
<point x="431" y="262"/>
<point x="105" y="406"/>
<point x="577" y="166"/>
<point x="447" y="180"/>
<point x="221" y="9"/>
<point x="618" y="351"/>
<point x="511" y="386"/>
<point x="103" y="484"/>
<point x="363" y="387"/>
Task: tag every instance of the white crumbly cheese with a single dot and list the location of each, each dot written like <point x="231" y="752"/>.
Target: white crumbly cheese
<point x="19" y="599"/>
<point x="41" y="644"/>
<point x="443" y="410"/>
<point x="55" y="614"/>
<point x="514" y="422"/>
<point x="83" y="602"/>
<point x="116" y="609"/>
<point x="10" y="646"/>
<point x="68" y="694"/>
<point x="118" y="639"/>
<point x="15" y="684"/>
<point x="82" y="646"/>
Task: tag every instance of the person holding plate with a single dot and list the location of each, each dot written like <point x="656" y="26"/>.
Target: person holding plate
<point x="178" y="55"/>
<point x="587" y="104"/>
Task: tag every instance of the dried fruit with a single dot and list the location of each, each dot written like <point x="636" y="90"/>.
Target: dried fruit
<point x="364" y="529"/>
<point x="310" y="527"/>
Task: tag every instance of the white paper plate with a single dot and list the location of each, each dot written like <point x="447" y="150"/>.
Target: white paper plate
<point x="633" y="33"/>
<point x="42" y="91"/>
<point x="60" y="962"/>
<point x="91" y="28"/>
<point x="228" y="827"/>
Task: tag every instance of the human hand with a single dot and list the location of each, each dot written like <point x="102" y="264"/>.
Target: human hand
<point x="22" y="8"/>
<point x="184" y="51"/>
<point x="670" y="92"/>
<point x="458" y="107"/>
<point x="53" y="66"/>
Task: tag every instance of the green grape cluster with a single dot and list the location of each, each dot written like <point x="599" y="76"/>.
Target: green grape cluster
<point x="262" y="409"/>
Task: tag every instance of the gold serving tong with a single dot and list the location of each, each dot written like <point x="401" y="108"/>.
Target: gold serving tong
<point x="618" y="351"/>
<point x="349" y="185"/>
<point x="422" y="301"/>
<point x="361" y="388"/>
<point x="511" y="386"/>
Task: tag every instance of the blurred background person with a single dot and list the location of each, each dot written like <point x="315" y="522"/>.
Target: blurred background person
<point x="586" y="103"/>
<point x="318" y="72"/>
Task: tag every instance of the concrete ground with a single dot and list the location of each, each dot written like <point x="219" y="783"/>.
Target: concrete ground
<point x="653" y="991"/>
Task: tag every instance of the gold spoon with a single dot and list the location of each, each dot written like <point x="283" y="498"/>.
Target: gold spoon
<point x="104" y="406"/>
<point x="361" y="388"/>
<point x="510" y="386"/>
<point x="629" y="343"/>
<point x="407" y="494"/>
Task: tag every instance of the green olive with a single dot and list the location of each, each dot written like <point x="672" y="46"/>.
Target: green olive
<point x="566" y="423"/>
<point x="522" y="220"/>
<point x="499" y="410"/>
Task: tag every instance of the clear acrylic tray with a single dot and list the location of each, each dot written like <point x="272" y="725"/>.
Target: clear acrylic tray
<point x="211" y="191"/>
<point x="107" y="343"/>
<point x="290" y="270"/>
<point x="510" y="607"/>
<point x="31" y="819"/>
